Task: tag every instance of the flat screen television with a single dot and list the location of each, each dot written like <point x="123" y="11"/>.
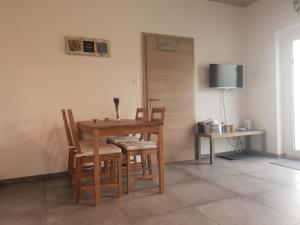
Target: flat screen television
<point x="225" y="76"/>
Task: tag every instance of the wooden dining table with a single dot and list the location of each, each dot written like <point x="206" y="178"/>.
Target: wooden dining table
<point x="104" y="128"/>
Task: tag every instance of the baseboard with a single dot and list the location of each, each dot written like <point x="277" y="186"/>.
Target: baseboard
<point x="271" y="155"/>
<point x="293" y="157"/>
<point x="267" y="154"/>
<point x="33" y="178"/>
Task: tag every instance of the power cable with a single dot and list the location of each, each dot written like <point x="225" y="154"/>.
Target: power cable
<point x="223" y="113"/>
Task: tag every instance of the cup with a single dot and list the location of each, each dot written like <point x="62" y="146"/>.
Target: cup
<point x="231" y="128"/>
<point x="207" y="128"/>
<point x="227" y="128"/>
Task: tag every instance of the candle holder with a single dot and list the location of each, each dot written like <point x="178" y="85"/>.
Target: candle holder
<point x="116" y="102"/>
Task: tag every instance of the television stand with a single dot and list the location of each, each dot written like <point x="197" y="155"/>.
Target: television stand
<point x="213" y="136"/>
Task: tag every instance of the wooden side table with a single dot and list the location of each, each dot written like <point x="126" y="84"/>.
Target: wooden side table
<point x="213" y="136"/>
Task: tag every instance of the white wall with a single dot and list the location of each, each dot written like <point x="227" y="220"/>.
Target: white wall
<point x="263" y="20"/>
<point x="38" y="78"/>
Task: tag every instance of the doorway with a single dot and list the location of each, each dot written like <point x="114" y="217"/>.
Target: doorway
<point x="169" y="81"/>
<point x="296" y="95"/>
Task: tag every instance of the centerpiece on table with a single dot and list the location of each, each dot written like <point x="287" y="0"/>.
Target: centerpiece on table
<point x="117" y="102"/>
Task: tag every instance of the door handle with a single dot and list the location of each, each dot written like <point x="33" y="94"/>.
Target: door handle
<point x="154" y="99"/>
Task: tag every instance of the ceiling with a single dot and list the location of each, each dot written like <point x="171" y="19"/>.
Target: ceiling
<point x="240" y="3"/>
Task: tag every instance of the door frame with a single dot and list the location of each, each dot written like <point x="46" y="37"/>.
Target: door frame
<point x="285" y="41"/>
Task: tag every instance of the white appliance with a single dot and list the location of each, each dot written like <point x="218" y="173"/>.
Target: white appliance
<point x="248" y="124"/>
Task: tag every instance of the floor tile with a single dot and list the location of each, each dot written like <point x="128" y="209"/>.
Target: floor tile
<point x="286" y="177"/>
<point x="148" y="206"/>
<point x="243" y="165"/>
<point x="283" y="200"/>
<point x="30" y="217"/>
<point x="242" y="211"/>
<point x="199" y="192"/>
<point x="178" y="217"/>
<point x="245" y="185"/>
<point x="59" y="192"/>
<point x="23" y="197"/>
<point x="205" y="170"/>
<point x="174" y="175"/>
<point x="106" y="214"/>
<point x="261" y="159"/>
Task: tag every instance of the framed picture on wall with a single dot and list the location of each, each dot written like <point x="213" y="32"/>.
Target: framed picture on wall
<point x="87" y="46"/>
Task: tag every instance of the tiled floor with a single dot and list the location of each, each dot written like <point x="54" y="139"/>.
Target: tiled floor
<point x="243" y="192"/>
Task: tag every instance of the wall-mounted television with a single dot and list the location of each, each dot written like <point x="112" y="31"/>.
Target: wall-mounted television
<point x="225" y="76"/>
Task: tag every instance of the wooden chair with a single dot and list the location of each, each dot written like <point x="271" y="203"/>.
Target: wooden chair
<point x="71" y="147"/>
<point x="108" y="153"/>
<point x="141" y="114"/>
<point x="145" y="149"/>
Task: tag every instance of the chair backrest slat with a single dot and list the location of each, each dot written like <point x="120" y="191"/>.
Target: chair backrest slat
<point x="141" y="114"/>
<point x="67" y="128"/>
<point x="74" y="131"/>
<point x="158" y="114"/>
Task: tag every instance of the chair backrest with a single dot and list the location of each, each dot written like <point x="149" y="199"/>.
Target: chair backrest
<point x="74" y="131"/>
<point x="158" y="114"/>
<point x="141" y="114"/>
<point x="67" y="128"/>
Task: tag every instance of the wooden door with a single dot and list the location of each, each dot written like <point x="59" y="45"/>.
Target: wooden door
<point x="169" y="81"/>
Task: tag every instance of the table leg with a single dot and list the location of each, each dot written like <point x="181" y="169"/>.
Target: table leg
<point x="248" y="143"/>
<point x="264" y="142"/>
<point x="160" y="157"/>
<point x="96" y="167"/>
<point x="198" y="147"/>
<point x="212" y="150"/>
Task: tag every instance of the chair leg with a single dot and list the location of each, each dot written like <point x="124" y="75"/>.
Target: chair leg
<point x="78" y="179"/>
<point x="158" y="160"/>
<point x="71" y="172"/>
<point x="128" y="173"/>
<point x="143" y="164"/>
<point x="117" y="168"/>
<point x="119" y="172"/>
<point x="112" y="170"/>
<point x="69" y="164"/>
<point x="106" y="168"/>
<point x="149" y="164"/>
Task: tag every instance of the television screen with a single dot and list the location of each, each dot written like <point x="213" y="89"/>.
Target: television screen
<point x="225" y="76"/>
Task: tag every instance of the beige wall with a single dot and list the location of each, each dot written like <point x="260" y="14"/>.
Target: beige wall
<point x="263" y="21"/>
<point x="38" y="78"/>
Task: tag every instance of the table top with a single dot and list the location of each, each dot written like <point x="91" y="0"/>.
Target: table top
<point x="232" y="134"/>
<point x="106" y="124"/>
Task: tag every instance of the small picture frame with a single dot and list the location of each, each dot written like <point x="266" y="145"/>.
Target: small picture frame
<point x="87" y="46"/>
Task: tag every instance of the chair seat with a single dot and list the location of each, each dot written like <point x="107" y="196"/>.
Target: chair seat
<point x="105" y="149"/>
<point x="117" y="139"/>
<point x="137" y="145"/>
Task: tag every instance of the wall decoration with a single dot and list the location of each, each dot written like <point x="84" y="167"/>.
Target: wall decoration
<point x="87" y="46"/>
<point x="167" y="44"/>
